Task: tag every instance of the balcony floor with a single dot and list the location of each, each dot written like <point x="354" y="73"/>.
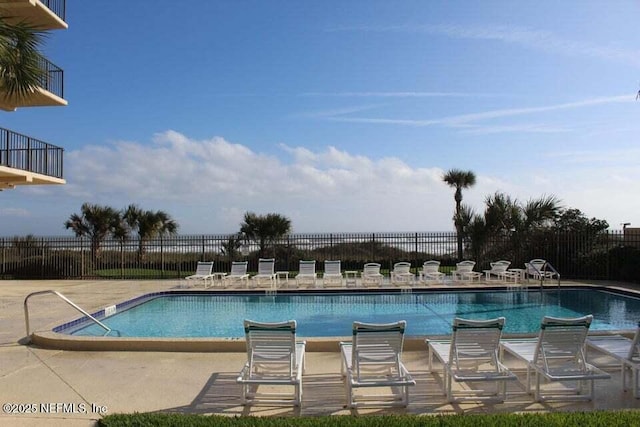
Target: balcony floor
<point x="11" y="177"/>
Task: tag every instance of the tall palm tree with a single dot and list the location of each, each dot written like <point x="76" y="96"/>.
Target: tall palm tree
<point x="21" y="70"/>
<point x="265" y="229"/>
<point x="459" y="179"/>
<point x="149" y="225"/>
<point x="94" y="222"/>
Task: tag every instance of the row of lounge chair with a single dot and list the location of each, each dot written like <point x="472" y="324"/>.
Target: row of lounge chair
<point x="401" y="275"/>
<point x="473" y="355"/>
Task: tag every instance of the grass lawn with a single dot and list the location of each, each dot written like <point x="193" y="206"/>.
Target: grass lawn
<point x="139" y="273"/>
<point x="556" y="419"/>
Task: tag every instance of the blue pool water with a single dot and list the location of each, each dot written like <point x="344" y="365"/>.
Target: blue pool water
<point x="329" y="315"/>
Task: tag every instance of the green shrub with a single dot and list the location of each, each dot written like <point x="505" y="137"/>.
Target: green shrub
<point x="556" y="419"/>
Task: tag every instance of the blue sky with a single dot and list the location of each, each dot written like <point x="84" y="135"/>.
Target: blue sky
<point x="341" y="115"/>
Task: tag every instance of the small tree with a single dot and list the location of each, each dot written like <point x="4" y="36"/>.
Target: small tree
<point x="94" y="222"/>
<point x="459" y="179"/>
<point x="232" y="246"/>
<point x="264" y="230"/>
<point x="149" y="225"/>
<point x="509" y="226"/>
<point x="574" y="220"/>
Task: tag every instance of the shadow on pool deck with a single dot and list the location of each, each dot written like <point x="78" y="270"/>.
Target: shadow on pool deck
<point x="202" y="383"/>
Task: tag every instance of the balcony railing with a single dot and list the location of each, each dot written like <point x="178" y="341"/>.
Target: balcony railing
<point x="56" y="6"/>
<point x="53" y="79"/>
<point x="22" y="152"/>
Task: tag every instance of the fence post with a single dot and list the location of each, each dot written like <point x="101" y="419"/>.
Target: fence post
<point x="288" y="252"/>
<point x="331" y="246"/>
<point x="81" y="258"/>
<point x="557" y="262"/>
<point x="608" y="259"/>
<point x="121" y="260"/>
<point x="42" y="258"/>
<point x="415" y="253"/>
<point x="161" y="257"/>
<point x="373" y="246"/>
<point x="4" y="257"/>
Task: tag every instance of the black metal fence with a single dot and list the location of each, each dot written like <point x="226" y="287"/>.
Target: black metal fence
<point x="23" y="152"/>
<point x="612" y="255"/>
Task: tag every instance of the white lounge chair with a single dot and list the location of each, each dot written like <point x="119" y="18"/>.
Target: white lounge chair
<point x="472" y="356"/>
<point x="558" y="355"/>
<point x="431" y="272"/>
<point x="332" y="273"/>
<point x="626" y="352"/>
<point x="203" y="273"/>
<point x="374" y="359"/>
<point x="238" y="274"/>
<point x="499" y="269"/>
<point x="274" y="358"/>
<point x="401" y="274"/>
<point x="539" y="269"/>
<point x="307" y="273"/>
<point x="464" y="271"/>
<point x="266" y="273"/>
<point x="371" y="274"/>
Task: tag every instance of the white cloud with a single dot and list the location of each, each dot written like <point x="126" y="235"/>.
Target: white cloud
<point x="541" y="40"/>
<point x="207" y="185"/>
<point x="469" y="122"/>
<point x="401" y="94"/>
<point x="14" y="212"/>
<point x="324" y="189"/>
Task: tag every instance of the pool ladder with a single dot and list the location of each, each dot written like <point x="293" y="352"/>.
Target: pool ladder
<point x="65" y="299"/>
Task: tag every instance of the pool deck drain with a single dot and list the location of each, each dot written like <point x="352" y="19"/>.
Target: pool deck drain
<point x="78" y="387"/>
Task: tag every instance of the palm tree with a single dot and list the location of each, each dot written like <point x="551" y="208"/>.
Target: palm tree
<point x="94" y="222"/>
<point x="149" y="225"/>
<point x="518" y="222"/>
<point x="502" y="213"/>
<point x="121" y="232"/>
<point x="459" y="179"/>
<point x="21" y="70"/>
<point x="232" y="246"/>
<point x="541" y="213"/>
<point x="265" y="229"/>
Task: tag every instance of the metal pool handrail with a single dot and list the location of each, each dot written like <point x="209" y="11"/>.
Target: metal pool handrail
<point x="65" y="299"/>
<point x="547" y="265"/>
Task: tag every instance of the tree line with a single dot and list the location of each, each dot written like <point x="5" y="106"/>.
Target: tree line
<point x="503" y="216"/>
<point x="517" y="222"/>
<point x="97" y="222"/>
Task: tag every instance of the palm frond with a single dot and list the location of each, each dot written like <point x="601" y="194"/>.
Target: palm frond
<point x="21" y="63"/>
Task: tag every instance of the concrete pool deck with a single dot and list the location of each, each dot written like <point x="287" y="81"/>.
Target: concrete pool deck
<point x="77" y="387"/>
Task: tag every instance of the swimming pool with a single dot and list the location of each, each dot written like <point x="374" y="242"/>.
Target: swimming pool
<point x="191" y="315"/>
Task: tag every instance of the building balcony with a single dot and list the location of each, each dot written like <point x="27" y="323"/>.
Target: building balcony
<point x="41" y="14"/>
<point x="28" y="161"/>
<point x="50" y="93"/>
